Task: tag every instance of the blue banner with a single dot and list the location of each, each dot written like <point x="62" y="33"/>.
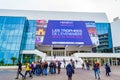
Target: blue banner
<point x="66" y="32"/>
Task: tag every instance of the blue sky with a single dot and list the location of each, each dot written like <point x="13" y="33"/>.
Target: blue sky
<point x="110" y="7"/>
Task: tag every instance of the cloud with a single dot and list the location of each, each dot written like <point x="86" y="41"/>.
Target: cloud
<point x="111" y="7"/>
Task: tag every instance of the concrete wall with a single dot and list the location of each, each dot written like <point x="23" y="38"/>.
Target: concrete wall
<point x="115" y="30"/>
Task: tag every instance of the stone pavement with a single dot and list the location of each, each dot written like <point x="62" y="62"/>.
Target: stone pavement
<point x="79" y="75"/>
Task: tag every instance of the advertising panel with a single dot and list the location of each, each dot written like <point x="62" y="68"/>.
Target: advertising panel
<point x="91" y="27"/>
<point x="65" y="32"/>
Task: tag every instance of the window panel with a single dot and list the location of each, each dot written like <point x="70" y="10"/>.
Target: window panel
<point x="17" y="47"/>
<point x="13" y="47"/>
<point x="16" y="54"/>
<point x="4" y="45"/>
<point x="10" y="39"/>
<point x="8" y="47"/>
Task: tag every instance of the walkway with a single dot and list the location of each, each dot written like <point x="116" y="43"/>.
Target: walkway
<point x="79" y="75"/>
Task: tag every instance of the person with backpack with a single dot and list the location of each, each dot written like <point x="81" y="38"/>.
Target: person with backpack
<point x="69" y="71"/>
<point x="96" y="68"/>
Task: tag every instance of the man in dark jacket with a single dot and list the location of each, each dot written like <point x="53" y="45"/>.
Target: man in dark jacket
<point x="69" y="71"/>
<point x="107" y="68"/>
<point x="19" y="64"/>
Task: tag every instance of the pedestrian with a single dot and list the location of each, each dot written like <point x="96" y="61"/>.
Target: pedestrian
<point x="69" y="71"/>
<point x="107" y="69"/>
<point x="51" y="69"/>
<point x="45" y="68"/>
<point x="28" y="70"/>
<point x="32" y="68"/>
<point x="59" y="66"/>
<point x="54" y="67"/>
<point x="19" y="64"/>
<point x="83" y="66"/>
<point x="88" y="65"/>
<point x="38" y="68"/>
<point x="96" y="68"/>
<point x="73" y="65"/>
<point x="64" y="62"/>
<point x="76" y="61"/>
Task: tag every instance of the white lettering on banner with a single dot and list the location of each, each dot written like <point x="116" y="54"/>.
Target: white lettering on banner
<point x="66" y="32"/>
<point x="67" y="42"/>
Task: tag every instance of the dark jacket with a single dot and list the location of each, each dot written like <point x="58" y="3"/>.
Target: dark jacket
<point x="69" y="69"/>
<point x="107" y="67"/>
<point x="19" y="64"/>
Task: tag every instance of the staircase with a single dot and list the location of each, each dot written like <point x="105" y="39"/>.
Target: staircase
<point x="74" y="57"/>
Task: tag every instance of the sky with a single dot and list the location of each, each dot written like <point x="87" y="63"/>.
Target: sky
<point x="110" y="7"/>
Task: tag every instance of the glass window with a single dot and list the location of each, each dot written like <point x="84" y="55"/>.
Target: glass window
<point x="13" y="46"/>
<point x="4" y="46"/>
<point x="17" y="47"/>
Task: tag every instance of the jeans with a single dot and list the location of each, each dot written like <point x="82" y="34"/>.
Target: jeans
<point x="97" y="73"/>
<point x="45" y="71"/>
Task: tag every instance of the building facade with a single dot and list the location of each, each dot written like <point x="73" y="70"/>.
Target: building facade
<point x="26" y="30"/>
<point x="115" y="26"/>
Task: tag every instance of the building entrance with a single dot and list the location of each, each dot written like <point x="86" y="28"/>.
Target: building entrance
<point x="58" y="53"/>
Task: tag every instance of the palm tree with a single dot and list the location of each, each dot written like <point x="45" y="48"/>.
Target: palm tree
<point x="1" y="62"/>
<point x="27" y="58"/>
<point x="13" y="59"/>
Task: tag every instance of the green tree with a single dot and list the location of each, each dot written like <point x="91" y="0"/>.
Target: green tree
<point x="13" y="59"/>
<point x="27" y="58"/>
<point x="2" y="62"/>
<point x="38" y="58"/>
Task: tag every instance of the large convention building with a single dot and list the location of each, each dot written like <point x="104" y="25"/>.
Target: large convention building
<point x="33" y="35"/>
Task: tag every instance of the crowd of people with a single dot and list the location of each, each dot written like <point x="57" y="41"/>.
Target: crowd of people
<point x="38" y="68"/>
<point x="42" y="68"/>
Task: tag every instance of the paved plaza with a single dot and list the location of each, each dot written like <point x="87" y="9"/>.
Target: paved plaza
<point x="79" y="75"/>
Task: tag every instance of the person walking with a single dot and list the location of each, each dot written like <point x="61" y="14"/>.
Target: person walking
<point x="88" y="65"/>
<point x="38" y="69"/>
<point x="19" y="64"/>
<point x="73" y="65"/>
<point x="51" y="69"/>
<point x="107" y="69"/>
<point x="59" y="66"/>
<point x="64" y="62"/>
<point x="45" y="68"/>
<point x="69" y="71"/>
<point x="28" y="70"/>
<point x="96" y="68"/>
<point x="83" y="66"/>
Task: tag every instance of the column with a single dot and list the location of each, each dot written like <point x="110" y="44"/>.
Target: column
<point x="108" y="60"/>
<point x="111" y="61"/>
<point x="116" y="61"/>
<point x="51" y="50"/>
<point x="113" y="50"/>
<point x="21" y="58"/>
<point x="65" y="50"/>
<point x="51" y="53"/>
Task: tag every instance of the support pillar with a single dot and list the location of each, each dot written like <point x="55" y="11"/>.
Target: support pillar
<point x="21" y="58"/>
<point x="116" y="61"/>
